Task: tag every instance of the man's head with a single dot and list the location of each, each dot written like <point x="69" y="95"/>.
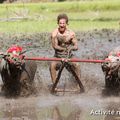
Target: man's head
<point x="62" y="21"/>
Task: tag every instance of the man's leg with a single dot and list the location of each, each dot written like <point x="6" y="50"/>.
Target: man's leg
<point x="55" y="77"/>
<point x="53" y="71"/>
<point x="75" y="70"/>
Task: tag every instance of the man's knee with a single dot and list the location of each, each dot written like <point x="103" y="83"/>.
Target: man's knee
<point x="52" y="65"/>
<point x="76" y="65"/>
<point x="55" y="65"/>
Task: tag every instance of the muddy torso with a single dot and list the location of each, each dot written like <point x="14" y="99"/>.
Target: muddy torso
<point x="64" y="40"/>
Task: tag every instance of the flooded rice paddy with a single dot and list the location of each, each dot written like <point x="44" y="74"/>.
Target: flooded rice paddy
<point x="91" y="105"/>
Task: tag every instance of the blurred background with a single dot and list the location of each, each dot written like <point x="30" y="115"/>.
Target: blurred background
<point x="40" y="15"/>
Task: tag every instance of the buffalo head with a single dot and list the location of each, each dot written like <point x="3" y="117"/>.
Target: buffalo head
<point x="111" y="69"/>
<point x="15" y="61"/>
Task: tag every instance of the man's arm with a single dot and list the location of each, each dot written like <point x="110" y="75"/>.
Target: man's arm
<point x="74" y="42"/>
<point x="55" y="43"/>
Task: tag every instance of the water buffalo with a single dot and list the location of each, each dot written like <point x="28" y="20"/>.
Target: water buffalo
<point x="17" y="76"/>
<point x="111" y="70"/>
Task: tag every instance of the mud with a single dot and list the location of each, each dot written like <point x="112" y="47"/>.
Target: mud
<point x="91" y="105"/>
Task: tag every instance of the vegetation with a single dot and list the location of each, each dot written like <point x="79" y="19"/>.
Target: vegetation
<point x="41" y="17"/>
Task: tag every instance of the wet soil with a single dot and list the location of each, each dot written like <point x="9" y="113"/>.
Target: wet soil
<point x="91" y="105"/>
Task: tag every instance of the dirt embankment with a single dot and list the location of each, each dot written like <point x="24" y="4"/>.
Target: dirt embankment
<point x="92" y="45"/>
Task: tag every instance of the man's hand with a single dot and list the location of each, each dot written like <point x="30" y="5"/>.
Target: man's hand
<point x="65" y="60"/>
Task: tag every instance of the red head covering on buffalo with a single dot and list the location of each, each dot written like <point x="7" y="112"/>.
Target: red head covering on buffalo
<point x="15" y="49"/>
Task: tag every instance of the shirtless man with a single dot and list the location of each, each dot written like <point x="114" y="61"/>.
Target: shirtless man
<point x="64" y="42"/>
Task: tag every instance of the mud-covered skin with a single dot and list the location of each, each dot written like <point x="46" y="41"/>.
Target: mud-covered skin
<point x="18" y="80"/>
<point x="64" y="43"/>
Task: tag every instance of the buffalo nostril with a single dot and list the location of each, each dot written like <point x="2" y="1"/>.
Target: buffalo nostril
<point x="107" y="63"/>
<point x="117" y="60"/>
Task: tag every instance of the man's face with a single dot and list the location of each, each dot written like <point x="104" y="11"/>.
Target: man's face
<point x="62" y="25"/>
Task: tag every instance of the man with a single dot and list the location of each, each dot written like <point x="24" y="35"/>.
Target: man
<point x="64" y="42"/>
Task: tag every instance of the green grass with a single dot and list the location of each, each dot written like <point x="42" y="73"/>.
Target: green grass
<point x="45" y="26"/>
<point x="71" y="6"/>
<point x="41" y="17"/>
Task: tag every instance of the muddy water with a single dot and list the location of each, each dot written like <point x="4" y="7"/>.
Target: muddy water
<point x="91" y="105"/>
<point x="73" y="107"/>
